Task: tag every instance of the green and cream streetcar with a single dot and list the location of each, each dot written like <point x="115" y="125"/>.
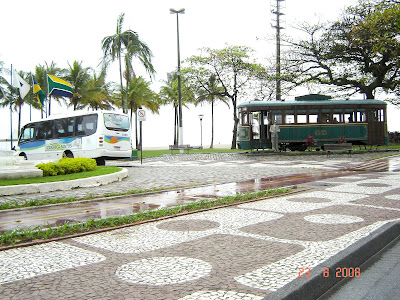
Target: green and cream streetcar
<point x="312" y="119"/>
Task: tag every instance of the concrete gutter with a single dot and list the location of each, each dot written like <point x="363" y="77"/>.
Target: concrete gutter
<point x="354" y="256"/>
<point x="63" y="185"/>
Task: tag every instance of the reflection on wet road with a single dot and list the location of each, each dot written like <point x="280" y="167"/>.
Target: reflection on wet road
<point x="81" y="211"/>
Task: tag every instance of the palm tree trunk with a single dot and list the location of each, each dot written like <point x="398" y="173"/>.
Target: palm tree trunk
<point x="212" y="123"/>
<point x="120" y="77"/>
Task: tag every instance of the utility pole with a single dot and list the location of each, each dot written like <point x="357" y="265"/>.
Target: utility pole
<point x="277" y="11"/>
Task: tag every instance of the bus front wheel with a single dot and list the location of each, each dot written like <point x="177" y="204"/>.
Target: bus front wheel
<point x="68" y="154"/>
<point x="100" y="161"/>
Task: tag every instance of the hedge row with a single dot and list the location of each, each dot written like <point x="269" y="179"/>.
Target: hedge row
<point x="67" y="166"/>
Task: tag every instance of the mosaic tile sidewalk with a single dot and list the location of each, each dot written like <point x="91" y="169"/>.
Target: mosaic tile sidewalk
<point x="240" y="252"/>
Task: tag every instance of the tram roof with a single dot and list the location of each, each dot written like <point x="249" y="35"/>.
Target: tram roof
<point x="306" y="102"/>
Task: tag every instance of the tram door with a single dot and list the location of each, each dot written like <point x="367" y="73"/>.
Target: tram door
<point x="376" y="127"/>
<point x="267" y="124"/>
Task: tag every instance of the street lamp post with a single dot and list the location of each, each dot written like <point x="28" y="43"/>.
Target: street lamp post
<point x="180" y="130"/>
<point x="201" y="130"/>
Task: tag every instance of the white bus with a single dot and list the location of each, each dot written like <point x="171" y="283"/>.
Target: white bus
<point x="94" y="134"/>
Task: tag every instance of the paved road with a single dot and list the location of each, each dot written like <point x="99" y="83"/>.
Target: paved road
<point x="247" y="251"/>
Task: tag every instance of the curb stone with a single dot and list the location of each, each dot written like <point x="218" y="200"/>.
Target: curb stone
<point x="63" y="185"/>
<point x="354" y="256"/>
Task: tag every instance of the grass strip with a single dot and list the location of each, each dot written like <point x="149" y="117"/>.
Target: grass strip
<point x="11" y="204"/>
<point x="100" y="170"/>
<point x="23" y="235"/>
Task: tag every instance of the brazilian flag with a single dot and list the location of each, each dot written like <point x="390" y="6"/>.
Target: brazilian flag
<point x="40" y="95"/>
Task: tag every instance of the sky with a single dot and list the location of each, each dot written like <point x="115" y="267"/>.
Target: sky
<point x="35" y="32"/>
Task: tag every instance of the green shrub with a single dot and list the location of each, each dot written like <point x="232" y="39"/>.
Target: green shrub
<point x="68" y="166"/>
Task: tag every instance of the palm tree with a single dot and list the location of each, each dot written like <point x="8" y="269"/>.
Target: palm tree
<point x="14" y="100"/>
<point x="79" y="77"/>
<point x="40" y="77"/>
<point x="169" y="95"/>
<point x="128" y="41"/>
<point x="140" y="95"/>
<point x="210" y="93"/>
<point x="98" y="93"/>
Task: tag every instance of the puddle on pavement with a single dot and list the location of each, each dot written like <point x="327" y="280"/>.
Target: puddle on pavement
<point x="73" y="212"/>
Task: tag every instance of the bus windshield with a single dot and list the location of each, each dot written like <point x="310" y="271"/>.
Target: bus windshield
<point x="116" y="122"/>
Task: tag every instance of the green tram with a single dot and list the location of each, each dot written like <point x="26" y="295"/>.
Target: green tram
<point x="312" y="120"/>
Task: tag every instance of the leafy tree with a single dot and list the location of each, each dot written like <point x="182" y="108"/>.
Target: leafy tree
<point x="127" y="42"/>
<point x="358" y="53"/>
<point x="234" y="70"/>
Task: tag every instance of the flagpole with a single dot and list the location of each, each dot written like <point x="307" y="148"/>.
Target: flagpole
<point x="46" y="82"/>
<point x="30" y="100"/>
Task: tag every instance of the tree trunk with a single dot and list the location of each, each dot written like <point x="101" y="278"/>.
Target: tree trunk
<point x="122" y="88"/>
<point x="235" y="118"/>
<point x="212" y="124"/>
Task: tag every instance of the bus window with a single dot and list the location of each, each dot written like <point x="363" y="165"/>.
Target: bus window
<point x="86" y="125"/>
<point x="70" y="127"/>
<point x="121" y="123"/>
<point x="28" y="134"/>
<point x="45" y="130"/>
<point x="60" y="128"/>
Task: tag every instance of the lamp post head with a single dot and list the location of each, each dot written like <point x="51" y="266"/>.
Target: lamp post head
<point x="174" y="11"/>
<point x="201" y="117"/>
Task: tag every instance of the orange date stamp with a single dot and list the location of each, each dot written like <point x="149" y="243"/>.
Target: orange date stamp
<point x="338" y="272"/>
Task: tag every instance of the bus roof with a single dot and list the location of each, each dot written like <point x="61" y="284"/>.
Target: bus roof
<point x="310" y="102"/>
<point x="77" y="113"/>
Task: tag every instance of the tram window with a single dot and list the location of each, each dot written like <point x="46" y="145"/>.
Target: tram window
<point x="312" y="118"/>
<point x="325" y="118"/>
<point x="245" y="118"/>
<point x="379" y="115"/>
<point x="361" y="116"/>
<point x="336" y="118"/>
<point x="289" y="119"/>
<point x="348" y="118"/>
<point x="277" y="119"/>
<point x="301" y="119"/>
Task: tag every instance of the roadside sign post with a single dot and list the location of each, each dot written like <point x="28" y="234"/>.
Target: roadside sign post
<point x="141" y="113"/>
